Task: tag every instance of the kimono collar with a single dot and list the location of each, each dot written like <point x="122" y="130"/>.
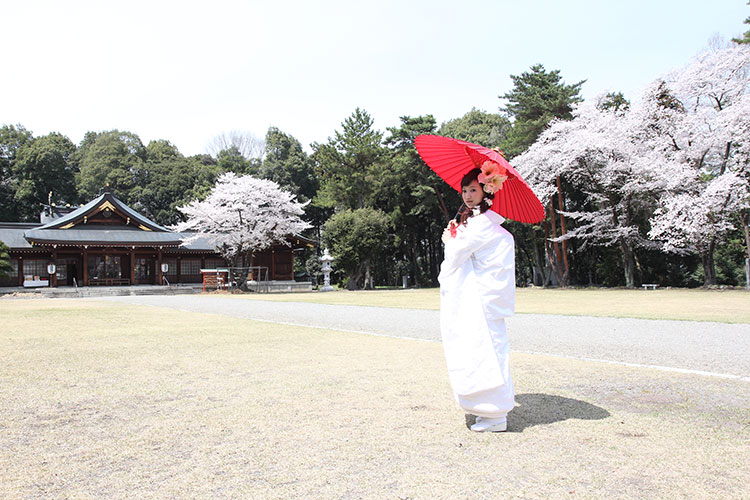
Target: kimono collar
<point x="495" y="217"/>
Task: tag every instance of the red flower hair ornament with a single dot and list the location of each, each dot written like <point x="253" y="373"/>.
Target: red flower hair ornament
<point x="493" y="176"/>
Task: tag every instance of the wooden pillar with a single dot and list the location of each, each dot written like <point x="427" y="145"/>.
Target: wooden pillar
<point x="132" y="265"/>
<point x="252" y="271"/>
<point x="53" y="278"/>
<point x="85" y="266"/>
<point x="291" y="262"/>
<point x="158" y="271"/>
<point x="20" y="271"/>
<point x="273" y="264"/>
<point x="178" y="263"/>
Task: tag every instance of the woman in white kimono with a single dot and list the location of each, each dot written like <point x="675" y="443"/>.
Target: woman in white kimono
<point x="477" y="291"/>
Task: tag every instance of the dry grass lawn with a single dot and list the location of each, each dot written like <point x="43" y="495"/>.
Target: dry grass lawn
<point x="121" y="402"/>
<point x="724" y="306"/>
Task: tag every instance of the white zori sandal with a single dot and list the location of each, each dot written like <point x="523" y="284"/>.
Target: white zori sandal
<point x="490" y="424"/>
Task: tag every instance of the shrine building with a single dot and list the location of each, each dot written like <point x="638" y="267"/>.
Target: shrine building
<point x="105" y="242"/>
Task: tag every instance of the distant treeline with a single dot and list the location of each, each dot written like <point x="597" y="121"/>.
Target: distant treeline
<point x="362" y="176"/>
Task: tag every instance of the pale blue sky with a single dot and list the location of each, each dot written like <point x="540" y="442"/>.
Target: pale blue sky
<point x="186" y="71"/>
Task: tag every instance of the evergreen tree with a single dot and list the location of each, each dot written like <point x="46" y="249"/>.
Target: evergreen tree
<point x="356" y="238"/>
<point x="5" y="267"/>
<point x="615" y="102"/>
<point x="345" y="163"/>
<point x="12" y="137"/>
<point x="537" y="97"/>
<point x="232" y="160"/>
<point x="206" y="171"/>
<point x="113" y="158"/>
<point x="479" y="127"/>
<point x="415" y="198"/>
<point x="746" y="37"/>
<point x="43" y="171"/>
<point x="287" y="164"/>
<point x="168" y="181"/>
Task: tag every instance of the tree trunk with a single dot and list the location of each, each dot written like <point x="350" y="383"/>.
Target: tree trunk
<point x="242" y="272"/>
<point x="441" y="204"/>
<point x="724" y="161"/>
<point x="414" y="260"/>
<point x="436" y="255"/>
<point x="628" y="264"/>
<point x="236" y="272"/>
<point x="368" y="276"/>
<point x="537" y="271"/>
<point x="566" y="267"/>
<point x="709" y="268"/>
<point x="353" y="283"/>
<point x="639" y="268"/>
<point x="745" y="221"/>
<point x="555" y="257"/>
<point x="552" y="260"/>
<point x="529" y="260"/>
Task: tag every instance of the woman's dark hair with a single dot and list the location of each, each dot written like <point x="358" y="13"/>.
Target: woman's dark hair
<point x="471" y="176"/>
<point x="464" y="213"/>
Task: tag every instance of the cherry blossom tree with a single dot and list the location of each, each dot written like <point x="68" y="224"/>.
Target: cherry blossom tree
<point x="697" y="117"/>
<point x="693" y="223"/>
<point x="737" y="123"/>
<point x="541" y="165"/>
<point x="242" y="215"/>
<point x="686" y="143"/>
<point x="597" y="154"/>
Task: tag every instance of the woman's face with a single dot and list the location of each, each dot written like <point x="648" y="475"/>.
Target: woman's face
<point x="472" y="194"/>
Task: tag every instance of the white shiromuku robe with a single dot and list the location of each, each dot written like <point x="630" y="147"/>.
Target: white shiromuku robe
<point x="477" y="291"/>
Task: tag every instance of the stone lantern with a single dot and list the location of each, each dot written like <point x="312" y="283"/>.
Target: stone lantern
<point x="325" y="266"/>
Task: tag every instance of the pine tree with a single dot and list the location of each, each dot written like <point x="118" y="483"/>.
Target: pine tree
<point x="538" y="96"/>
<point x="746" y="37"/>
<point x="345" y="163"/>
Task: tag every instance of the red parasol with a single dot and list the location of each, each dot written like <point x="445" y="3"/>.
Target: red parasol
<point x="451" y="159"/>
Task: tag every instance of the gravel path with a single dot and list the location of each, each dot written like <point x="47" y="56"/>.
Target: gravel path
<point x="717" y="348"/>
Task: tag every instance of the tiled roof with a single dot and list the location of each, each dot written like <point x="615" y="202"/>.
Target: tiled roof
<point x="92" y="236"/>
<point x="12" y="234"/>
<point x="94" y="204"/>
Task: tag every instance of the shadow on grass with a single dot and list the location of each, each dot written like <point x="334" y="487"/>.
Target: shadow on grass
<point x="541" y="409"/>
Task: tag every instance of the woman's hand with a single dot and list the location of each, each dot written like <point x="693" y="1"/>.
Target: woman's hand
<point x="450" y="231"/>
